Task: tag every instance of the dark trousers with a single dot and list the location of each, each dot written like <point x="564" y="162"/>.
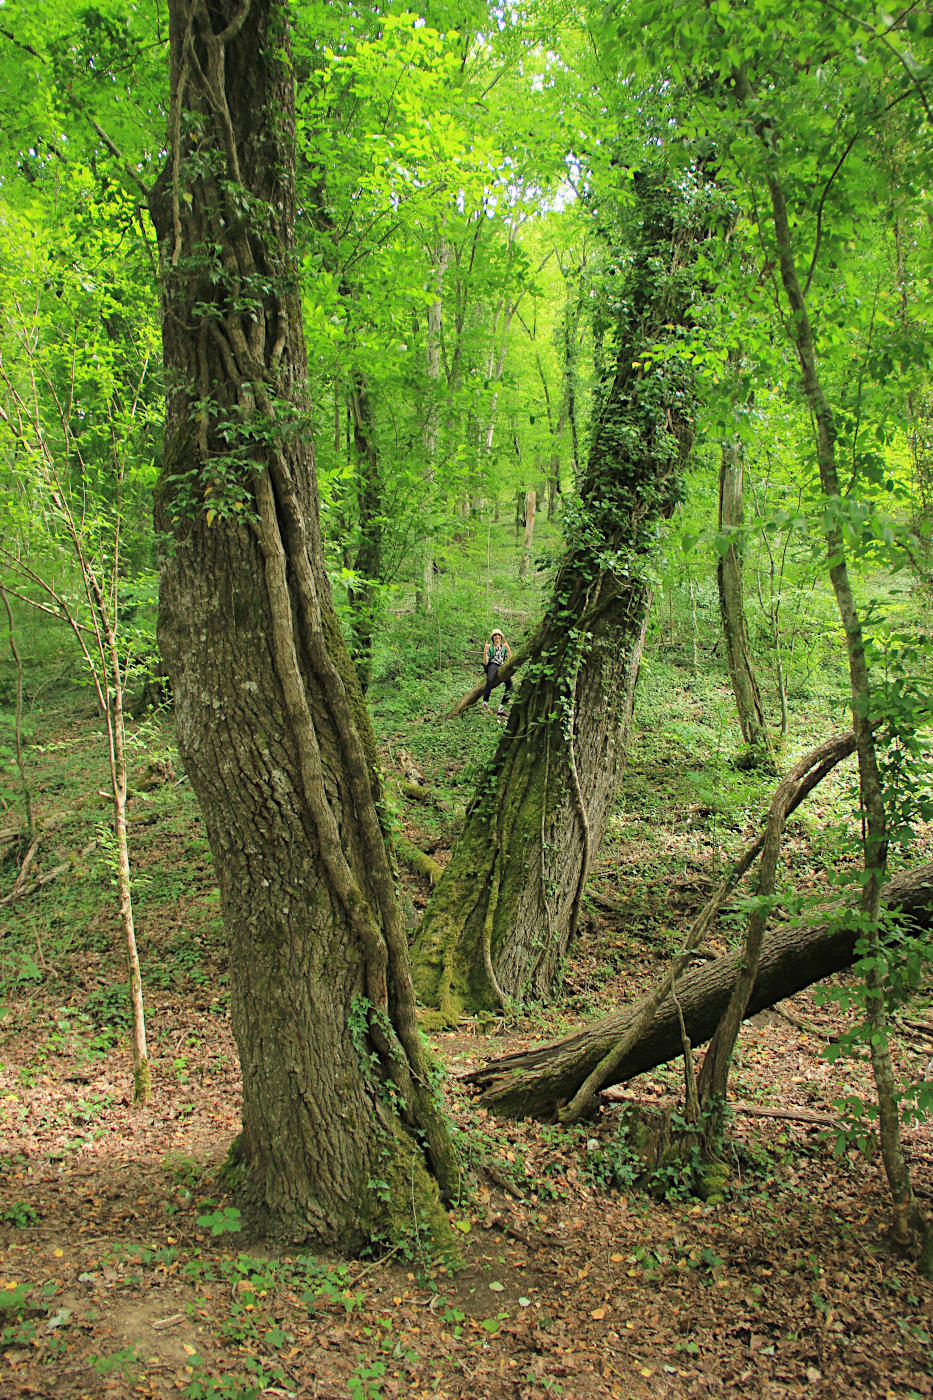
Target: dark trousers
<point x="492" y="671"/>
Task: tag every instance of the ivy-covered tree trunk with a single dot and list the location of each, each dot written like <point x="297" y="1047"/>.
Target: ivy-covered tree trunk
<point x="502" y="916"/>
<point x="342" y="1142"/>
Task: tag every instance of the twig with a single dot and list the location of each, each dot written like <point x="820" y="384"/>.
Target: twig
<point x="502" y="1181"/>
<point x="172" y="1321"/>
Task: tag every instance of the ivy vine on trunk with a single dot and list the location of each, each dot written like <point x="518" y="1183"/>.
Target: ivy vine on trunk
<point x="342" y="1139"/>
<point x="507" y="907"/>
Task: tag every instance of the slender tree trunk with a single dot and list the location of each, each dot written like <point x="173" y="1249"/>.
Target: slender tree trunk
<point x="363" y="595"/>
<point x="501" y="919"/>
<point x="18" y="721"/>
<point x="116" y="733"/>
<point x="555" y="424"/>
<point x="524" y="562"/>
<point x="717" y="1063"/>
<point x="424" y="597"/>
<point x="752" y="720"/>
<point x="875" y="842"/>
<point x="553" y="487"/>
<point x="98" y="646"/>
<point x="573" y="306"/>
<point x="342" y="1140"/>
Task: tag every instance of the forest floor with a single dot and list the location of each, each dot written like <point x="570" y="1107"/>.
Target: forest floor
<point x="123" y="1271"/>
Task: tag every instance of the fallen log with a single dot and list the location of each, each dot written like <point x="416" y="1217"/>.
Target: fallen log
<point x="418" y="861"/>
<point x="750" y="1110"/>
<point x="535" y="1083"/>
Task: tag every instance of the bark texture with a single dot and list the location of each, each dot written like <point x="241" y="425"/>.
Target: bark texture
<point x="501" y="919"/>
<point x="537" y="1082"/>
<point x="342" y="1139"/>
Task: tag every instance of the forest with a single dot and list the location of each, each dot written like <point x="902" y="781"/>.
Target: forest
<point x="466" y="788"/>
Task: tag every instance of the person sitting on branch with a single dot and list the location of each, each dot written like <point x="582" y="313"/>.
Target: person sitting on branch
<point x="496" y="653"/>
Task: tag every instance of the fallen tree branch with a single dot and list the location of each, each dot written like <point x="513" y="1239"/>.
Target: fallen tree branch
<point x="28" y="859"/>
<point x="806" y="774"/>
<point x="47" y="878"/>
<point x="923" y="1027"/>
<point x="793" y="1115"/>
<point x="747" y="1110"/>
<point x="605" y="901"/>
<point x="536" y="1083"/>
<point x="798" y="1022"/>
<point x="416" y="791"/>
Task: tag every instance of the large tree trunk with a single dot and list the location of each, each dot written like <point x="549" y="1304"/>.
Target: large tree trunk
<point x="500" y="921"/>
<point x="341" y="1137"/>
<point x="536" y="1083"/>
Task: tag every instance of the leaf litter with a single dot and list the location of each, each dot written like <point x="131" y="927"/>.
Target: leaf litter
<point x="112" y="1284"/>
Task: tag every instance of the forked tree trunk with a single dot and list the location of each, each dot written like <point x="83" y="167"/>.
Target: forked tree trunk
<point x="500" y="920"/>
<point x="536" y="1083"/>
<point x="752" y="720"/>
<point x="342" y="1139"/>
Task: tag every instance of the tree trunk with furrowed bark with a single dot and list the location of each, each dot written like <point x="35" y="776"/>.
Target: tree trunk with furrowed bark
<point x="342" y="1142"/>
<point x="535" y="1083"/>
<point x="498" y="926"/>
